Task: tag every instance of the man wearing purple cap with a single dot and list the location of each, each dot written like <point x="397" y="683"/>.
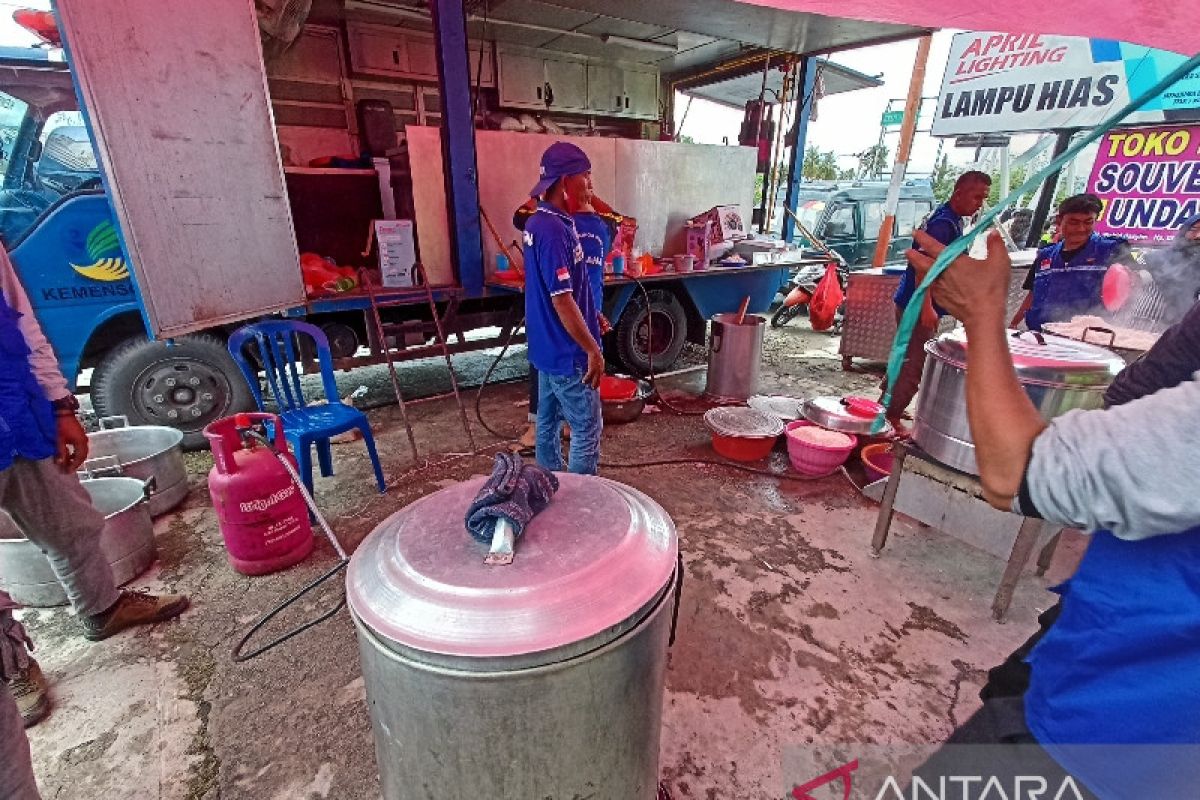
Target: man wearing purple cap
<point x="560" y="314"/>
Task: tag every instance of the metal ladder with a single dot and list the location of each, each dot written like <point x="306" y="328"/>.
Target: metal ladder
<point x="383" y="330"/>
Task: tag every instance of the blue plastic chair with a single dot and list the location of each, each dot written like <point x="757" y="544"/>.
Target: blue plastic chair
<point x="304" y="425"/>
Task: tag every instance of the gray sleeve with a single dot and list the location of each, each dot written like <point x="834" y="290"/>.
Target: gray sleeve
<point x="1133" y="469"/>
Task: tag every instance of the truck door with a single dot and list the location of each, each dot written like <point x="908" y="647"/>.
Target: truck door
<point x="841" y="232"/>
<point x="176" y="100"/>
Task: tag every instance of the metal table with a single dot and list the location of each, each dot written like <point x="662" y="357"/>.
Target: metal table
<point x="907" y="456"/>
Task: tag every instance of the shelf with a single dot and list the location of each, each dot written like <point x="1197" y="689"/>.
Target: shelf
<point x="326" y="171"/>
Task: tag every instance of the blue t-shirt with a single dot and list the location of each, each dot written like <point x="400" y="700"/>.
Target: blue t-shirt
<point x="596" y="239"/>
<point x="554" y="265"/>
<point x="945" y="226"/>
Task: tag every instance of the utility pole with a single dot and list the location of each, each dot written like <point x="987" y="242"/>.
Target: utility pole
<point x="908" y="129"/>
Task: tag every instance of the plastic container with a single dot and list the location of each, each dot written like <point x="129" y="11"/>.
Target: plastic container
<point x="743" y="434"/>
<point x="684" y="263"/>
<point x="814" y="460"/>
<point x="617" y="389"/>
<point x="743" y="448"/>
<point x="877" y="460"/>
<point x="618" y="265"/>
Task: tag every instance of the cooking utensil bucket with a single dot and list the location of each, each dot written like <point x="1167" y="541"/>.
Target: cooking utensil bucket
<point x="142" y="452"/>
<point x="734" y="357"/>
<point x="126" y="542"/>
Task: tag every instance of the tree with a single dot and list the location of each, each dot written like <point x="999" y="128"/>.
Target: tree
<point x="944" y="176"/>
<point x="820" y="165"/>
<point x="873" y="161"/>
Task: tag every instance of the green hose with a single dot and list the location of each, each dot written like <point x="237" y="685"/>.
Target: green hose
<point x="960" y="245"/>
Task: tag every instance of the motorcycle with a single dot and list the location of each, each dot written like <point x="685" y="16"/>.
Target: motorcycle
<point x="801" y="287"/>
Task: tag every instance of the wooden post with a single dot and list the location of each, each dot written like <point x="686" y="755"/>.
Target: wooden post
<point x="908" y="129"/>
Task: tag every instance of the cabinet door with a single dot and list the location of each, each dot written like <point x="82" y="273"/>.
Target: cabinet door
<point x="487" y="76"/>
<point x="641" y="94"/>
<point x="422" y="57"/>
<point x="605" y="89"/>
<point x="567" y="81"/>
<point x="522" y="81"/>
<point x="378" y="53"/>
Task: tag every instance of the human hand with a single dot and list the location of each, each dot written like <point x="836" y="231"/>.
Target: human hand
<point x="973" y="290"/>
<point x="605" y="325"/>
<point x="595" y="368"/>
<point x="72" y="443"/>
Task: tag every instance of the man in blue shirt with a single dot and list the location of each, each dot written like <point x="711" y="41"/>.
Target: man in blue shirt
<point x="561" y="318"/>
<point x="1067" y="276"/>
<point x="945" y="225"/>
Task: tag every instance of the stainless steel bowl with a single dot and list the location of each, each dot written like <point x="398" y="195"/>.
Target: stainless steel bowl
<point x="619" y="412"/>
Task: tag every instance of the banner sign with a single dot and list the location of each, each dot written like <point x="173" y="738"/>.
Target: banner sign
<point x="1149" y="180"/>
<point x="1008" y="82"/>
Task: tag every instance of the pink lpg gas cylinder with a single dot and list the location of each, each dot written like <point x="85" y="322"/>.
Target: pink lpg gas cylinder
<point x="261" y="511"/>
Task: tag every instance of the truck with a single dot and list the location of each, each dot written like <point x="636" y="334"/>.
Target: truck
<point x="146" y="227"/>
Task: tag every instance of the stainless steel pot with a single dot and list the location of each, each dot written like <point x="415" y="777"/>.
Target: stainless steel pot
<point x="1058" y="374"/>
<point x="127" y="543"/>
<point x="142" y="452"/>
<point x="542" y="678"/>
<point x="619" y="412"/>
<point x="734" y="357"/>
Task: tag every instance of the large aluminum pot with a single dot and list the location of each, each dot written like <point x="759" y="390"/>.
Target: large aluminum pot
<point x="734" y="357"/>
<point x="1058" y="374"/>
<point x="142" y="452"/>
<point x="542" y="678"/>
<point x="127" y="543"/>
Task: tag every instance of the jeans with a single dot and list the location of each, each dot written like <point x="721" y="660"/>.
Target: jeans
<point x="566" y="397"/>
<point x="534" y="388"/>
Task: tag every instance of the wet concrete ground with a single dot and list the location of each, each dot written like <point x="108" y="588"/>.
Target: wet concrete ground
<point x="790" y="633"/>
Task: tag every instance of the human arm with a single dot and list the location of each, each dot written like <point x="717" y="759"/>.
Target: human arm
<point x="1172" y="360"/>
<point x="1130" y="469"/>
<point x="71" y="439"/>
<point x="1004" y="422"/>
<point x="572" y="320"/>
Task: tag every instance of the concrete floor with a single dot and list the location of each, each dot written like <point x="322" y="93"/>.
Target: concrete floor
<point x="790" y="633"/>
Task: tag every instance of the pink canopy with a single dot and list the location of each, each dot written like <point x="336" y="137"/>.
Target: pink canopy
<point x="1170" y="26"/>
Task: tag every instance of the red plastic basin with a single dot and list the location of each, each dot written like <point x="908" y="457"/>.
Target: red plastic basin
<point x="743" y="448"/>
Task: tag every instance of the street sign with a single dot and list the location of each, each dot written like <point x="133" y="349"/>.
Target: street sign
<point x="892" y="119"/>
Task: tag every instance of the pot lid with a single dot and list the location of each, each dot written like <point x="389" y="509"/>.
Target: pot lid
<point x="740" y="421"/>
<point x="1041" y="359"/>
<point x="846" y="414"/>
<point x="586" y="569"/>
<point x="786" y="408"/>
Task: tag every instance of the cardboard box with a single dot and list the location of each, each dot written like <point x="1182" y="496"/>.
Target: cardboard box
<point x="726" y="224"/>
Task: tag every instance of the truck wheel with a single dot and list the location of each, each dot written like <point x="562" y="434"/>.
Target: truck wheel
<point x="665" y="320"/>
<point x="184" y="385"/>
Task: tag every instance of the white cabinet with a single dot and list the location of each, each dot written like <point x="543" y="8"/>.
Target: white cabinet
<point x="566" y="85"/>
<point x="606" y="89"/>
<point x="529" y="79"/>
<point x="399" y="53"/>
<point x="522" y="80"/>
<point x="641" y="94"/>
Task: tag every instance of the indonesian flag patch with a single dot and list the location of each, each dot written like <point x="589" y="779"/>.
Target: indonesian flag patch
<point x="563" y="274"/>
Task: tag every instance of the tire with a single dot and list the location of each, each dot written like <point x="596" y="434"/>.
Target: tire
<point x="785" y="314"/>
<point x="666" y="318"/>
<point x="132" y="381"/>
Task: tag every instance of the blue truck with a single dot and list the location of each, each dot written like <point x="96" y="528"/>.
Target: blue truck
<point x="71" y="248"/>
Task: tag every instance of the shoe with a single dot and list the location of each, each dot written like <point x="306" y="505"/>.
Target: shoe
<point x="133" y="608"/>
<point x="29" y="689"/>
